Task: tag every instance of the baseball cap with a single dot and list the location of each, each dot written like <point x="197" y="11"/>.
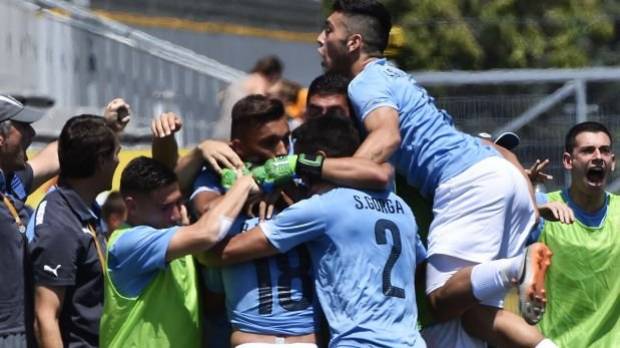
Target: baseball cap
<point x="12" y="109"/>
<point x="507" y="140"/>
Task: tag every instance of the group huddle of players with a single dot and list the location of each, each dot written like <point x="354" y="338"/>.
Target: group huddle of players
<point x="348" y="248"/>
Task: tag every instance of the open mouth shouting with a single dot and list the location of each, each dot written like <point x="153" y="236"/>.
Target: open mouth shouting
<point x="596" y="175"/>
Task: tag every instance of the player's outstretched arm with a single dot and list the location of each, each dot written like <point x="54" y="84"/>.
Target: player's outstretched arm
<point x="212" y="226"/>
<point x="48" y="303"/>
<point x="383" y="135"/>
<point x="299" y="223"/>
<point x="368" y="168"/>
<point x="358" y="172"/>
<point x="204" y="201"/>
<point x="45" y="165"/>
<point x="242" y="247"/>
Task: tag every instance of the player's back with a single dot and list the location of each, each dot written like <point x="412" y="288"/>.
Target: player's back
<point x="365" y="265"/>
<point x="273" y="295"/>
<point x="432" y="150"/>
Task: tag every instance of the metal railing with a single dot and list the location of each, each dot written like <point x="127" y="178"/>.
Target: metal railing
<point x="541" y="120"/>
<point x="81" y="60"/>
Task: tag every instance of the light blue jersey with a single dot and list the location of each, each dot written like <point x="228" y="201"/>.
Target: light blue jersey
<point x="137" y="257"/>
<point x="207" y="180"/>
<point x="364" y="249"/>
<point x="271" y="296"/>
<point x="431" y="150"/>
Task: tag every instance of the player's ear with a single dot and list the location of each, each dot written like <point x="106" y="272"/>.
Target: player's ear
<point x="354" y="42"/>
<point x="613" y="162"/>
<point x="236" y="145"/>
<point x="131" y="204"/>
<point x="567" y="161"/>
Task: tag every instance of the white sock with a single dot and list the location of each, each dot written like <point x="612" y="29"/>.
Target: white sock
<point x="546" y="343"/>
<point x="491" y="279"/>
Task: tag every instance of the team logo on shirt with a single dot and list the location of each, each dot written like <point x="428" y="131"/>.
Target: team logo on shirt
<point x="51" y="270"/>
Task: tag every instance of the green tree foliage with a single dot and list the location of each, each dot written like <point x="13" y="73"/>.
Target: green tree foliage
<point x="486" y="34"/>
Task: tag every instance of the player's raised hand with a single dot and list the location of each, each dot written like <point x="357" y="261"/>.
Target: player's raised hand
<point x="262" y="205"/>
<point x="166" y="125"/>
<point x="557" y="211"/>
<point x="117" y="114"/>
<point x="219" y="154"/>
<point x="267" y="204"/>
<point x="535" y="172"/>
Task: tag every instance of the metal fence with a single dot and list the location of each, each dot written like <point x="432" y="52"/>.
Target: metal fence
<point x="56" y="49"/>
<point x="548" y="103"/>
<point x="52" y="48"/>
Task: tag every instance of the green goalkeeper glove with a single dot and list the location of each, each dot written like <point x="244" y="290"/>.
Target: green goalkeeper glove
<point x="228" y="177"/>
<point x="310" y="166"/>
<point x="278" y="170"/>
<point x="275" y="172"/>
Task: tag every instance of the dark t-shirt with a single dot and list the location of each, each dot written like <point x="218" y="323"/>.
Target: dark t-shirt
<point x="64" y="254"/>
<point x="13" y="269"/>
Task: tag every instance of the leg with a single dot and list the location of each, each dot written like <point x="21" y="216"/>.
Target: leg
<point x="456" y="298"/>
<point x="500" y="328"/>
<point x="448" y="280"/>
<point x="455" y="285"/>
<point x="482" y="218"/>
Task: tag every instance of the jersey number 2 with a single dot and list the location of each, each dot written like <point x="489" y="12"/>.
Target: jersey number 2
<point x="285" y="282"/>
<point x="381" y="228"/>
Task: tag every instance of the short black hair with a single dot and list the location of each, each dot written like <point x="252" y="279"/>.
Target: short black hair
<point x="370" y="19"/>
<point x="144" y="175"/>
<point x="268" y="66"/>
<point x="328" y="84"/>
<point x="334" y="134"/>
<point x="84" y="140"/>
<point x="252" y="112"/>
<point x="589" y="126"/>
<point x="113" y="204"/>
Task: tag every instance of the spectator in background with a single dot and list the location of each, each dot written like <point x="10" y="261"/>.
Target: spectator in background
<point x="266" y="72"/>
<point x="582" y="282"/>
<point x="113" y="212"/>
<point x="293" y="97"/>
<point x="18" y="178"/>
<point x="67" y="249"/>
